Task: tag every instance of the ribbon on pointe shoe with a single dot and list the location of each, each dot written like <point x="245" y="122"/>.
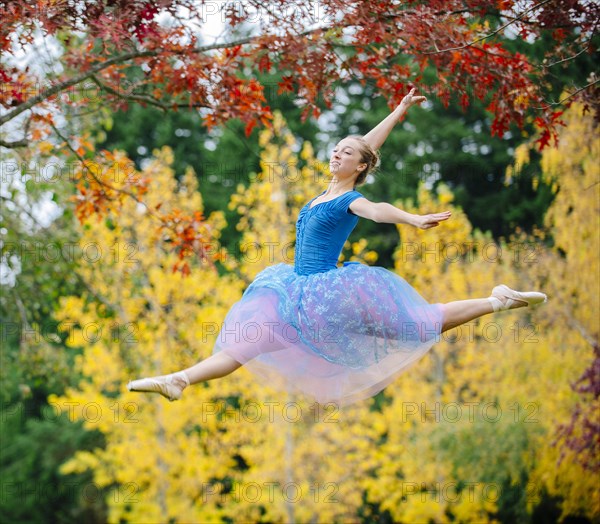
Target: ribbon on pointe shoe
<point x="518" y="298"/>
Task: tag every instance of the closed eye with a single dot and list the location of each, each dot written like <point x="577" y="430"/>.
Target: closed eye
<point x="346" y="150"/>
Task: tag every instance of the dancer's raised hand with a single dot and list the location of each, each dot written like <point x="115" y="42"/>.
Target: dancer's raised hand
<point x="377" y="136"/>
<point x="411" y="99"/>
<point x="432" y="220"/>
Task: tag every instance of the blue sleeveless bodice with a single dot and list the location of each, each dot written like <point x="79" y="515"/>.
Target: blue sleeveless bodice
<point x="321" y="232"/>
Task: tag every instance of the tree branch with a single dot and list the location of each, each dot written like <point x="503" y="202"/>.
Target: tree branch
<point x="13" y="145"/>
<point x="586" y="48"/>
<point x="68" y="83"/>
<point x="151" y="212"/>
<point x="143" y="98"/>
<point x="120" y="59"/>
<point x="24" y="142"/>
<point x="484" y="37"/>
<point x="566" y="59"/>
<point x="560" y="102"/>
<point x="101" y="182"/>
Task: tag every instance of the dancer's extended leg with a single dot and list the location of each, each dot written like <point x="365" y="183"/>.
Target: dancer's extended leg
<point x="215" y="366"/>
<point x="265" y="339"/>
<point x="461" y="311"/>
<point x="171" y="386"/>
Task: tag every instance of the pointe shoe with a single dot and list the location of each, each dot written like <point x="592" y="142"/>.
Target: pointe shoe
<point x="514" y="299"/>
<point x="163" y="385"/>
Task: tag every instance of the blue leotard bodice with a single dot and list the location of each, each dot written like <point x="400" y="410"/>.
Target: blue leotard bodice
<point x="321" y="232"/>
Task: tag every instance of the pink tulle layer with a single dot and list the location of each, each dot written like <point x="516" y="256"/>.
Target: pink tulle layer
<point x="338" y="336"/>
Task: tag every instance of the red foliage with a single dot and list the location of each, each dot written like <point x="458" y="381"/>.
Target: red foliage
<point x="104" y="183"/>
<point x="189" y="235"/>
<point x="157" y="44"/>
<point x="547" y="127"/>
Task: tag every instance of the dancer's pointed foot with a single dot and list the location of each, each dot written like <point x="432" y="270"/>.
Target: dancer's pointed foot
<point x="504" y="298"/>
<point x="169" y="386"/>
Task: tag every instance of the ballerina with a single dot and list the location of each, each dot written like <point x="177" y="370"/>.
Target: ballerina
<point x="338" y="334"/>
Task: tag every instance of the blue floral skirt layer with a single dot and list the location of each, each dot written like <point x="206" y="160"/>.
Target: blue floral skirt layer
<point x="338" y="336"/>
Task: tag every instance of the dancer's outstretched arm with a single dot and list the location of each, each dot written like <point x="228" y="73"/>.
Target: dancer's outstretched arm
<point x="377" y="136"/>
<point x="389" y="214"/>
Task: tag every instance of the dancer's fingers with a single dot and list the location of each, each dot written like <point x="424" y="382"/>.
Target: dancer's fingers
<point x="411" y="99"/>
<point x="430" y="221"/>
<point x="434" y="219"/>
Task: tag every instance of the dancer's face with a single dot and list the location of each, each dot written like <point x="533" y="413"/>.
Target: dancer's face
<point x="345" y="161"/>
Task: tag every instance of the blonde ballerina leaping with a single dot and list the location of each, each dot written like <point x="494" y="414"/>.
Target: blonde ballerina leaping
<point x="337" y="334"/>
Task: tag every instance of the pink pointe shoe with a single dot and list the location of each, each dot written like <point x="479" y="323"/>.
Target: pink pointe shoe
<point x="165" y="385"/>
<point x="504" y="298"/>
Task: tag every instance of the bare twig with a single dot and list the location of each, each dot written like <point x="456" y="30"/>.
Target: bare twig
<point x="586" y="48"/>
<point x="13" y="145"/>
<point x="560" y="102"/>
<point x="484" y="37"/>
<point x="24" y="142"/>
<point x="143" y="98"/>
<point x="22" y="209"/>
<point x="566" y="59"/>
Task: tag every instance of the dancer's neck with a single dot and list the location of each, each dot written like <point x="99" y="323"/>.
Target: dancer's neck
<point x="337" y="187"/>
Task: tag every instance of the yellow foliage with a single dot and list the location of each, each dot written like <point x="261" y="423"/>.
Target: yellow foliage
<point x="571" y="274"/>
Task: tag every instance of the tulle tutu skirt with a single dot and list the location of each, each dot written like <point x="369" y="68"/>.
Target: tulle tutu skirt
<point x="338" y="336"/>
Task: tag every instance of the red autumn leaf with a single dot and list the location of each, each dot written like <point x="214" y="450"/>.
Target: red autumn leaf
<point x="249" y="127"/>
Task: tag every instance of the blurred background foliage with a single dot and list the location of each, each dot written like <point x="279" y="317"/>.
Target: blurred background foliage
<point x="386" y="466"/>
